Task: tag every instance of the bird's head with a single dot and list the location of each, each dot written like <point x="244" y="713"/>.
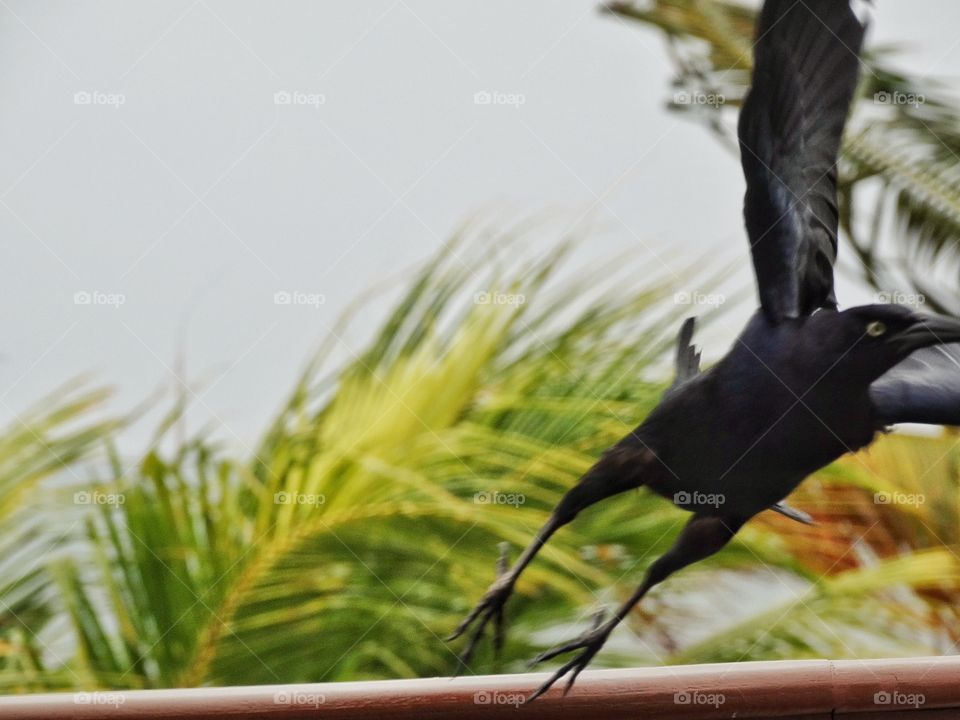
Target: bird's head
<point x="881" y="336"/>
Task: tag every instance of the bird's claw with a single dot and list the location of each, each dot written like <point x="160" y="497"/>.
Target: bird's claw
<point x="489" y="608"/>
<point x="589" y="643"/>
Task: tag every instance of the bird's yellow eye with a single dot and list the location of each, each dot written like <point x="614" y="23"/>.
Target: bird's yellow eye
<point x="876" y="329"/>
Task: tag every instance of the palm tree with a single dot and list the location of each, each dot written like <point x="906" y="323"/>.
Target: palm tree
<point x="899" y="179"/>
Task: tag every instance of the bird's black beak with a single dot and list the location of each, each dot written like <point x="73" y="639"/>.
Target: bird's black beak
<point x="926" y="331"/>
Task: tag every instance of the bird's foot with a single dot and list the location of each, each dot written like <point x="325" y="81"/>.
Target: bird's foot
<point x="489" y="608"/>
<point x="589" y="644"/>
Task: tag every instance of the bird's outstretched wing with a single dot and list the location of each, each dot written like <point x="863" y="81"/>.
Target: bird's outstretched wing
<point x="924" y="388"/>
<point x="806" y="66"/>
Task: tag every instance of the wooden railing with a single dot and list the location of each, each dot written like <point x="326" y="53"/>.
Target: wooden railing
<point x="892" y="689"/>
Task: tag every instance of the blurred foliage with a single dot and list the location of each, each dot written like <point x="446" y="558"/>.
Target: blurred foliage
<point x="899" y="180"/>
<point x="367" y="520"/>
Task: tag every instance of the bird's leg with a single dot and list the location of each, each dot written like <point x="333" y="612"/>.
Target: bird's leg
<point x="601" y="481"/>
<point x="703" y="536"/>
<point x="491" y="604"/>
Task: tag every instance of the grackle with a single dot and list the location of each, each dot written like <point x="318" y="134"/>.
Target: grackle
<point x="805" y="382"/>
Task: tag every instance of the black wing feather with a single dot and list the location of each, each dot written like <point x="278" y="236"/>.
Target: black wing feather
<point x="687" y="361"/>
<point x="805" y="74"/>
<point x="924" y="388"/>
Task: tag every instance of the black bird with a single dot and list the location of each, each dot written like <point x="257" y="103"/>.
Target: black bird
<point x="804" y="383"/>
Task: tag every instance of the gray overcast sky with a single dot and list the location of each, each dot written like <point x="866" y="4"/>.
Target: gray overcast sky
<point x="199" y="196"/>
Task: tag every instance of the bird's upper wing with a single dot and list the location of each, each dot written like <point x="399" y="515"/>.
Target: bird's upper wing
<point x="806" y="66"/>
<point x="924" y="388"/>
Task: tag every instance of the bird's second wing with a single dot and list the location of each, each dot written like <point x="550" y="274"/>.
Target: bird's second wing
<point x="924" y="388"/>
<point x="806" y="66"/>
